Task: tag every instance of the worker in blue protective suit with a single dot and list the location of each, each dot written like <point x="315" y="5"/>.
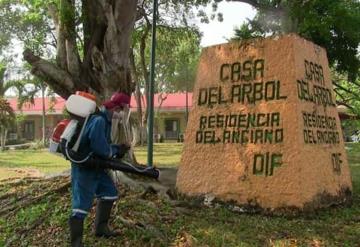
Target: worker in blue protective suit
<point x="88" y="183"/>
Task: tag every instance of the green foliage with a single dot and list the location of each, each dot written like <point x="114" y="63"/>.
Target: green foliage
<point x="7" y="19"/>
<point x="7" y="119"/>
<point x="26" y="87"/>
<point x="27" y="21"/>
<point x="28" y="215"/>
<point x="347" y="92"/>
<point x="177" y="53"/>
<point x="2" y="75"/>
<point x="187" y="53"/>
<point x="335" y="25"/>
<point x="7" y="115"/>
<point x="20" y="118"/>
<point x="332" y="24"/>
<point x="246" y="32"/>
<point x="350" y="127"/>
<point x="67" y="12"/>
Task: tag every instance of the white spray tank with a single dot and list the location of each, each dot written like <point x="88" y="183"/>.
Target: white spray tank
<point x="80" y="106"/>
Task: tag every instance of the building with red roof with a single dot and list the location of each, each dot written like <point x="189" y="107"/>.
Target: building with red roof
<point x="169" y="124"/>
<point x="170" y="116"/>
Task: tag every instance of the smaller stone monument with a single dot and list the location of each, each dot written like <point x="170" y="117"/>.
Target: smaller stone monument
<point x="264" y="130"/>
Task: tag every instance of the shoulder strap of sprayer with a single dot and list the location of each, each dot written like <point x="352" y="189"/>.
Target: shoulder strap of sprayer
<point x="73" y="152"/>
<point x="77" y="143"/>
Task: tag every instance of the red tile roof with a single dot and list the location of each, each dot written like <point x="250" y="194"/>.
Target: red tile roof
<point x="173" y="101"/>
<point x="29" y="108"/>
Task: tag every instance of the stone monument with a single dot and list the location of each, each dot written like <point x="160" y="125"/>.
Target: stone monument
<point x="264" y="130"/>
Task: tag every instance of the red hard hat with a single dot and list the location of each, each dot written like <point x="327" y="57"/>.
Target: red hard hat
<point x="117" y="99"/>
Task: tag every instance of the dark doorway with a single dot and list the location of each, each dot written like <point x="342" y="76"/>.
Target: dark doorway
<point x="29" y="130"/>
<point x="172" y="128"/>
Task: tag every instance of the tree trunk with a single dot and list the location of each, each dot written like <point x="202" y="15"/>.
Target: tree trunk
<point x="138" y="95"/>
<point x="43" y="114"/>
<point x="104" y="68"/>
<point x="145" y="75"/>
<point x="3" y="133"/>
<point x="161" y="99"/>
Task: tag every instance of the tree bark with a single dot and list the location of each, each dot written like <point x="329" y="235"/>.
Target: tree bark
<point x="144" y="69"/>
<point x="60" y="39"/>
<point x="114" y="69"/>
<point x="60" y="80"/>
<point x="43" y="116"/>
<point x="3" y="133"/>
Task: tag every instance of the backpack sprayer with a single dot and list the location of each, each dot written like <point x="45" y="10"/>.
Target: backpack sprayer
<point x="67" y="135"/>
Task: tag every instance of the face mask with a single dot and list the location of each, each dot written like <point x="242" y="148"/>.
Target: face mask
<point x="118" y="115"/>
<point x="122" y="116"/>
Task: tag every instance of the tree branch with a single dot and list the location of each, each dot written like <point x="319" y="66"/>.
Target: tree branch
<point x="60" y="80"/>
<point x="143" y="65"/>
<point x="355" y="83"/>
<point x="67" y="21"/>
<point x="60" y="46"/>
<point x="346" y="90"/>
<point x="346" y="104"/>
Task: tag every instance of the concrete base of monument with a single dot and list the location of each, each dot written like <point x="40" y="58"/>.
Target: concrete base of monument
<point x="320" y="201"/>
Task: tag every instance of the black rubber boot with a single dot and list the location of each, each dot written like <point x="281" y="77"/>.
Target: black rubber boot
<point x="76" y="231"/>
<point x="103" y="210"/>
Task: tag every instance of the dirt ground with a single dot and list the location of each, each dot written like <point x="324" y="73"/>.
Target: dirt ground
<point x="12" y="173"/>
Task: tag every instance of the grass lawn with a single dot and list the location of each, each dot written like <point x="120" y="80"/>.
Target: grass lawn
<point x="18" y="163"/>
<point x="25" y="160"/>
<point x="153" y="221"/>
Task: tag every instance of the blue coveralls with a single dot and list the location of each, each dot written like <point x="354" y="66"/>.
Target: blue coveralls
<point x="87" y="183"/>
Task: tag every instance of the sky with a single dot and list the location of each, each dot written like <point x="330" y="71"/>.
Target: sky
<point x="234" y="14"/>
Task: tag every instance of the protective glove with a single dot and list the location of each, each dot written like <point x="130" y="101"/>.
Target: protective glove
<point x="121" y="150"/>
